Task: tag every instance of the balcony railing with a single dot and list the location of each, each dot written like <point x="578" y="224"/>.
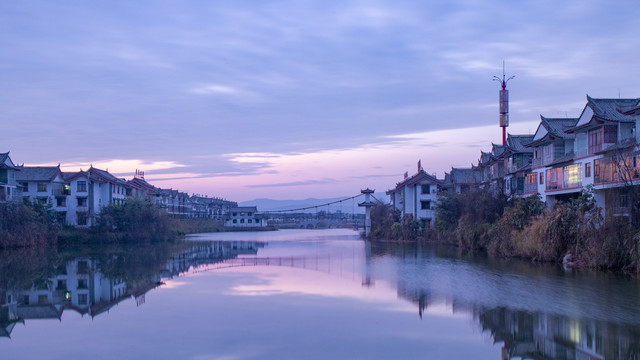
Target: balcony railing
<point x="61" y="190"/>
<point x="530" y="188"/>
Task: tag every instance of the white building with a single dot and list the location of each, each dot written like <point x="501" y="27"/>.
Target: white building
<point x="245" y="216"/>
<point x="46" y="185"/>
<point x="417" y="196"/>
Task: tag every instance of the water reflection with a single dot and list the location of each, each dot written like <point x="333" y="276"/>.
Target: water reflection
<point x="527" y="311"/>
<point x="43" y="284"/>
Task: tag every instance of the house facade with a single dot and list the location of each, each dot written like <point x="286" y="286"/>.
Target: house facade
<point x="45" y="185"/>
<point x="417" y="196"/>
<point x="9" y="190"/>
<point x="598" y="150"/>
<point x="245" y="216"/>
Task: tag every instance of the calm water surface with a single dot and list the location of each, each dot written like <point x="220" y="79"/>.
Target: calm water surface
<point x="306" y="294"/>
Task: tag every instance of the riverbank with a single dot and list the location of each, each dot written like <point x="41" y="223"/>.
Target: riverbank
<point x="24" y="225"/>
<point x="482" y="222"/>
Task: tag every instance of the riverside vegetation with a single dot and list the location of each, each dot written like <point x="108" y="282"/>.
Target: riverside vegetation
<point x="35" y="225"/>
<point x="523" y="228"/>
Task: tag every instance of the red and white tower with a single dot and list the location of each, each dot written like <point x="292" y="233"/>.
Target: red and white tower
<point x="504" y="104"/>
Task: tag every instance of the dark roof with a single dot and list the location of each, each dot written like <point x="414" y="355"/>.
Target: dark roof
<point x="38" y="173"/>
<point x="613" y="109"/>
<point x="70" y="176"/>
<point x="5" y="161"/>
<point x="516" y="143"/>
<point x="558" y="126"/>
<point x="497" y="150"/>
<point x="562" y="159"/>
<point x="414" y="179"/>
<point x="464" y="176"/>
<point x="106" y="176"/>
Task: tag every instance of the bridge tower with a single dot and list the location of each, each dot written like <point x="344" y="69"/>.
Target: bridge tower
<point x="367" y="204"/>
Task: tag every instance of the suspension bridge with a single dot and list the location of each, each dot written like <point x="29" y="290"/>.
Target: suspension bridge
<point x="321" y="217"/>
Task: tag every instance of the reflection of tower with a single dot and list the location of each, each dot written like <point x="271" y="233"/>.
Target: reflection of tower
<point x="367" y="281"/>
<point x="504" y="105"/>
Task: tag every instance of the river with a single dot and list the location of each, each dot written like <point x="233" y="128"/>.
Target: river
<point x="306" y="294"/>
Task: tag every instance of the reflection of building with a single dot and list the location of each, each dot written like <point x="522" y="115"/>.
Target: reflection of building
<point x="208" y="253"/>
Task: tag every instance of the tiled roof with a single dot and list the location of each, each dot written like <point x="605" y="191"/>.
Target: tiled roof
<point x="37" y="173"/>
<point x="68" y="176"/>
<point x="5" y="161"/>
<point x="421" y="175"/>
<point x="562" y="159"/>
<point x="464" y="176"/>
<point x="613" y="109"/>
<point x="558" y="126"/>
<point x="106" y="176"/>
<point x="516" y="143"/>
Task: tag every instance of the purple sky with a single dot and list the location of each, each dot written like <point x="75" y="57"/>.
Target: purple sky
<point x="295" y="99"/>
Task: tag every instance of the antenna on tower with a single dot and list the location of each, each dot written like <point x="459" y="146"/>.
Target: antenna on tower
<point x="504" y="103"/>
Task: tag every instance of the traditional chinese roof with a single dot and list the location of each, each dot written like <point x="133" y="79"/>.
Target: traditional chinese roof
<point x="613" y="109"/>
<point x="517" y="143"/>
<point x="562" y="159"/>
<point x="105" y="176"/>
<point x="38" y="173"/>
<point x="552" y="129"/>
<point x="418" y="177"/>
<point x="464" y="176"/>
<point x="70" y="176"/>
<point x="5" y="161"/>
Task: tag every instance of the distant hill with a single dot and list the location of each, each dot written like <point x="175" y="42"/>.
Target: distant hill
<point x="348" y="206"/>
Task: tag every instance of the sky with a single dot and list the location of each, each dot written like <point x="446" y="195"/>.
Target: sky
<point x="296" y="99"/>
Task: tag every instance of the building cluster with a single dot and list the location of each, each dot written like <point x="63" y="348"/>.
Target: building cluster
<point x="598" y="150"/>
<point x="78" y="197"/>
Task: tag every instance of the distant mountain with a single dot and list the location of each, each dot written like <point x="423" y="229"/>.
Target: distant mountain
<point x="348" y="206"/>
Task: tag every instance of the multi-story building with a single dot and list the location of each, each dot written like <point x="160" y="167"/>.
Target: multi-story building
<point x="417" y="196"/>
<point x="46" y="185"/>
<point x="9" y="190"/>
<point x="245" y="216"/>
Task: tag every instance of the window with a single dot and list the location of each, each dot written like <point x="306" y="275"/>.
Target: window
<point x="425" y="189"/>
<point x="82" y="284"/>
<point x="42" y="187"/>
<point x="62" y="285"/>
<point x="595" y="138"/>
<point x="82" y="299"/>
<point x="249" y="214"/>
<point x="235" y="221"/>
<point x="25" y="187"/>
<point x="587" y="169"/>
<point x="61" y="201"/>
<point x="82" y="201"/>
<point x="82" y="186"/>
<point x="541" y="178"/>
<point x="249" y="221"/>
<point x="425" y="205"/>
<point x="235" y="214"/>
<point x="25" y="300"/>
<point x="241" y="221"/>
<point x="43" y="300"/>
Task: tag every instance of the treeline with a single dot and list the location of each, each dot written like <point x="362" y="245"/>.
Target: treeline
<point x="33" y="224"/>
<point x="27" y="224"/>
<point x="522" y="228"/>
